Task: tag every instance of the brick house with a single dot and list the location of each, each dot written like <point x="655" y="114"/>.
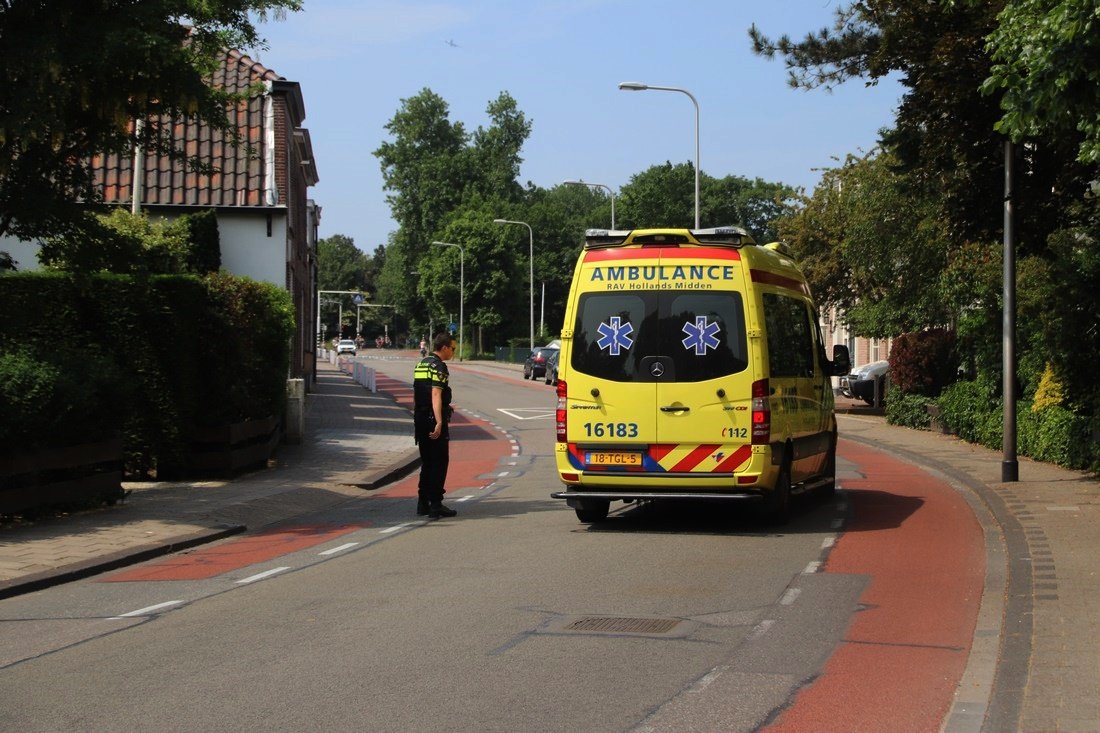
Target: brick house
<point x="267" y="223"/>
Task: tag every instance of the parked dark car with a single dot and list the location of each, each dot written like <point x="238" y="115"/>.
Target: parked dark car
<point x="861" y="382"/>
<point x="535" y="366"/>
<point x="552" y="367"/>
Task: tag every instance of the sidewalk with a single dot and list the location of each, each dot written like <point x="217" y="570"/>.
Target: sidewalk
<point x="1036" y="636"/>
<point x="354" y="440"/>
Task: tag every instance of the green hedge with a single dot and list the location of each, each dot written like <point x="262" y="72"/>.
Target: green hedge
<point x="147" y="358"/>
<point x="1053" y="434"/>
<point x="908" y="410"/>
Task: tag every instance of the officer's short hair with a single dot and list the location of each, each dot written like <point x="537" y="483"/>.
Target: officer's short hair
<point x="442" y="339"/>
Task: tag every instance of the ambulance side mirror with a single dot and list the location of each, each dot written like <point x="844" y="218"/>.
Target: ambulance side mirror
<point x="842" y="360"/>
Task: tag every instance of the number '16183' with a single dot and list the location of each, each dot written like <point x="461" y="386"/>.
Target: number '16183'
<point x="611" y="429"/>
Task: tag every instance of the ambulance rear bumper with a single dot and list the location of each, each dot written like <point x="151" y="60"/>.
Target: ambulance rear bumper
<point x="572" y="496"/>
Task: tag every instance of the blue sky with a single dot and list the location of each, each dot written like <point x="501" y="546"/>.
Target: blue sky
<point x="562" y="61"/>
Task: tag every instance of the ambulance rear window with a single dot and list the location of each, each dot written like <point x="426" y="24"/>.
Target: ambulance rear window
<point x="693" y="336"/>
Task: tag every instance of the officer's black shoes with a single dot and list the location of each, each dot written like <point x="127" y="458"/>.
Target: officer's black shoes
<point x="422" y="508"/>
<point x="438" y="511"/>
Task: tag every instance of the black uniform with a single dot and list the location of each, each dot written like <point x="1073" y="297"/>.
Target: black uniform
<point x="431" y="372"/>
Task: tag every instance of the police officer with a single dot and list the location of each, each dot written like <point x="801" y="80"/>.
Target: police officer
<point x="431" y="413"/>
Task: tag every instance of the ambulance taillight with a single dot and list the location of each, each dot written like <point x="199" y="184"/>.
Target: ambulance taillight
<point x="761" y="413"/>
<point x="559" y="414"/>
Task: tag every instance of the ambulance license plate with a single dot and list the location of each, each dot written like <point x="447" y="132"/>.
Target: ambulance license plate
<point x="614" y="458"/>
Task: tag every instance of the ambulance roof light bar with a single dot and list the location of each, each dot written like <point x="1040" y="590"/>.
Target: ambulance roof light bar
<point x="727" y="235"/>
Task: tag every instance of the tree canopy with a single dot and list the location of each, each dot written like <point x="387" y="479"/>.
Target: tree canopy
<point x="976" y="73"/>
<point x="446" y="184"/>
<point x="75" y="74"/>
<point x="1044" y="54"/>
<point x="945" y="137"/>
<point x="343" y="266"/>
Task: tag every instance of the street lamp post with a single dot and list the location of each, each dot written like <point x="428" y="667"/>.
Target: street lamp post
<point x="461" y="291"/>
<point x="635" y="86"/>
<point x="609" y="191"/>
<point x="531" y="267"/>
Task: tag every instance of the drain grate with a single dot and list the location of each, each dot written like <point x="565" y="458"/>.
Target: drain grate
<point x="621" y="625"/>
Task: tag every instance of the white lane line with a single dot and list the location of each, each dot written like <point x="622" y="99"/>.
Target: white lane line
<point x="790" y="596"/>
<point x="706" y="680"/>
<point x="394" y="529"/>
<point x="761" y="628"/>
<point x="341" y="548"/>
<point x="812" y="568"/>
<point x="827" y="543"/>
<point x="502" y="474"/>
<point x="147" y="610"/>
<point x="261" y="576"/>
<point x="464" y="498"/>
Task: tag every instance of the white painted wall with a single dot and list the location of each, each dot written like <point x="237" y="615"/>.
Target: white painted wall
<point x="25" y="254"/>
<point x="246" y="248"/>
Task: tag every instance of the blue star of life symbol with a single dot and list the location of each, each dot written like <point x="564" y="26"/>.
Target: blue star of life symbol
<point x="700" y="335"/>
<point x="614" y="336"/>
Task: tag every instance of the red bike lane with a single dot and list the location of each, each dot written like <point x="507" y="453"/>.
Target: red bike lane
<point x="901" y="660"/>
<point x="475" y="452"/>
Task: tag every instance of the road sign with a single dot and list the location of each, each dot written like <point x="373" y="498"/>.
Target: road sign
<point x="452" y="327"/>
<point x="357" y="298"/>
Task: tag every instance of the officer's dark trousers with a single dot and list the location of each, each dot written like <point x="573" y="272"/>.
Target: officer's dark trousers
<point x="434" y="457"/>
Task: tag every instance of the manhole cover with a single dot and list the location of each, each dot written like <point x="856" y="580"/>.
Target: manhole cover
<point x="620" y="625"/>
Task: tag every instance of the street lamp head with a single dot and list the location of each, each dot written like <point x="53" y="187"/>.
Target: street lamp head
<point x="633" y="86"/>
<point x="501" y="221"/>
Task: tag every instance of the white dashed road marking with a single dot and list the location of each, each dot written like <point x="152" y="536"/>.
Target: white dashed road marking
<point x="261" y="576"/>
<point x="341" y="548"/>
<point x="147" y="610"/>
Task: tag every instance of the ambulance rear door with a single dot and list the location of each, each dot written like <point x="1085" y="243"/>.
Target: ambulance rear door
<point x="611" y="421"/>
<point x="703" y="380"/>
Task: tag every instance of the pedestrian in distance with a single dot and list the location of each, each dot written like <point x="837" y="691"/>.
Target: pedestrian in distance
<point x="431" y="414"/>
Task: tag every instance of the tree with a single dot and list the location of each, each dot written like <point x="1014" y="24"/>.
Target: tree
<point x="496" y="150"/>
<point x="873" y="248"/>
<point x="75" y="74"/>
<point x="661" y="196"/>
<point x="495" y="276"/>
<point x="434" y="168"/>
<point x="423" y="167"/>
<point x="1044" y="54"/>
<point x="343" y="266"/>
<point x="944" y="138"/>
<point x="664" y="196"/>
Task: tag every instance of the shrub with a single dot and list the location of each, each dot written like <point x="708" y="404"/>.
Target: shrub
<point x="1056" y="435"/>
<point x="144" y="357"/>
<point x="121" y="242"/>
<point x="204" y="253"/>
<point x="908" y="410"/>
<point x="967" y="408"/>
<point x="923" y="362"/>
<point x="1049" y="393"/>
<point x="57" y="398"/>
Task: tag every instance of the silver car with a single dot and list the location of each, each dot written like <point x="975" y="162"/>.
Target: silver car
<point x="860" y="384"/>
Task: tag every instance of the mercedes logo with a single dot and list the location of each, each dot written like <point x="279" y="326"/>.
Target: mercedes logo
<point x="657" y="369"/>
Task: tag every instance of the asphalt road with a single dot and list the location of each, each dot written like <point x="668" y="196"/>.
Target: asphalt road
<point x="511" y="617"/>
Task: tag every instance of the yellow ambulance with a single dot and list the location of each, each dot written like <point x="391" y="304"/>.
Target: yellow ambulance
<point x="692" y="366"/>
